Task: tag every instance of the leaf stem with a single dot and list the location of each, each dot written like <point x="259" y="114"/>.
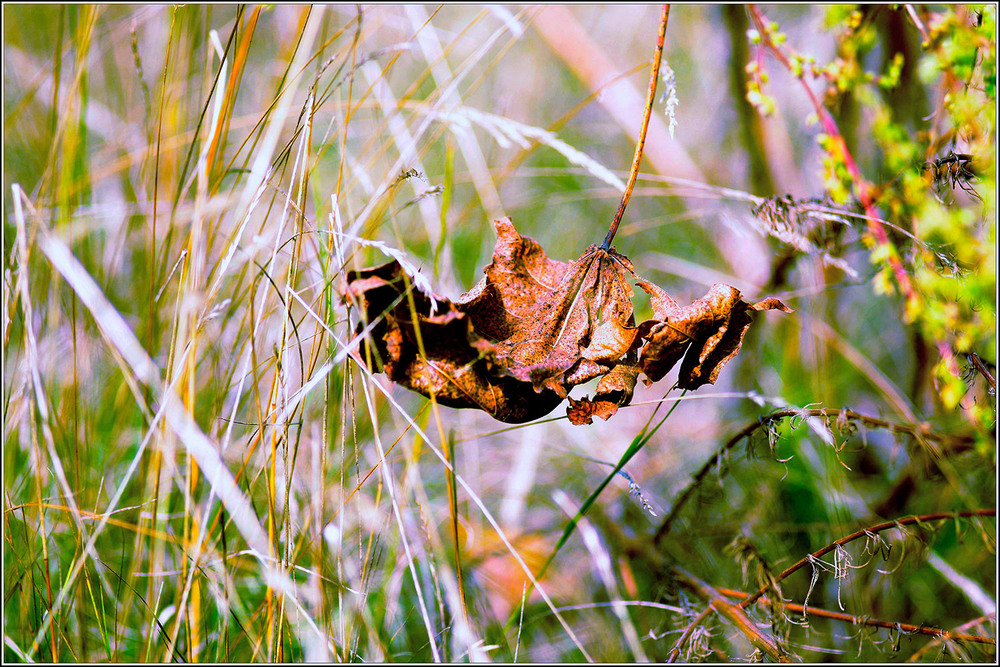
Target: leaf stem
<point x="654" y="74"/>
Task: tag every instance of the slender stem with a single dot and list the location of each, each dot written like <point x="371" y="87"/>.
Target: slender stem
<point x="917" y="22"/>
<point x="906" y="521"/>
<point x="983" y="370"/>
<point x="862" y="189"/>
<point x="654" y="74"/>
<point x="937" y="640"/>
<point x="908" y="628"/>
<point x="675" y="652"/>
<point x="733" y="613"/>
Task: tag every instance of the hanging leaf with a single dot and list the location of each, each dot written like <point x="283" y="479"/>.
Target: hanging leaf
<point x="534" y="327"/>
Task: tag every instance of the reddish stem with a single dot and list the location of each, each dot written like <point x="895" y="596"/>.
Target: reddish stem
<point x="864" y="620"/>
<point x="734" y="614"/>
<point x="861" y="186"/>
<point x="983" y="370"/>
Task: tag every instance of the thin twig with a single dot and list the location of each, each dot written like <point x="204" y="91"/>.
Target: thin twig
<point x="983" y="370"/>
<point x="654" y="75"/>
<point x="937" y="641"/>
<point x="698" y="620"/>
<point x="864" y="620"/>
<point x="734" y="614"/>
<point x="906" y="521"/>
<point x="917" y="22"/>
<point x="921" y="431"/>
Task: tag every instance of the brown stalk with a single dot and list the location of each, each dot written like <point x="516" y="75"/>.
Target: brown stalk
<point x="906" y="521"/>
<point x="675" y="652"/>
<point x="958" y="630"/>
<point x="983" y="370"/>
<point x="864" y="620"/>
<point x="654" y="74"/>
<point x="733" y="614"/>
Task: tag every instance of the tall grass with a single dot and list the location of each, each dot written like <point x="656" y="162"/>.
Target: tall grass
<point x="197" y="469"/>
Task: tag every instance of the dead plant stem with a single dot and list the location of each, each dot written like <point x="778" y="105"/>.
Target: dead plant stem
<point x="983" y="370"/>
<point x="905" y="521"/>
<point x="698" y="620"/>
<point x="862" y="188"/>
<point x="864" y="620"/>
<point x="734" y="614"/>
<point x="654" y="74"/>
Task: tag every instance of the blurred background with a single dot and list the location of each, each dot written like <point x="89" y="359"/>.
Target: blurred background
<point x="215" y="169"/>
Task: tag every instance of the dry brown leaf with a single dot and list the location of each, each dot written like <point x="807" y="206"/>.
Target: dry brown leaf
<point x="457" y="365"/>
<point x="707" y="334"/>
<point x="555" y="324"/>
<point x="534" y="327"/>
<point x="613" y="391"/>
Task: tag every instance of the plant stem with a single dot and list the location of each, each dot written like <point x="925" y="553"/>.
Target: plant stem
<point x="906" y="521"/>
<point x="862" y="189"/>
<point x="675" y="652"/>
<point x="983" y="370"/>
<point x="864" y="620"/>
<point x="654" y="74"/>
<point x="734" y="614"/>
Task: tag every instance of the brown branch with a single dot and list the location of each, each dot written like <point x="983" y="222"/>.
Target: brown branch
<point x="656" y="556"/>
<point x="958" y="630"/>
<point x="983" y="370"/>
<point x="906" y="521"/>
<point x="864" y="620"/>
<point x="734" y="614"/>
<point x="920" y="431"/>
<point x="862" y="189"/>
<point x="675" y="652"/>
<point x="654" y="74"/>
